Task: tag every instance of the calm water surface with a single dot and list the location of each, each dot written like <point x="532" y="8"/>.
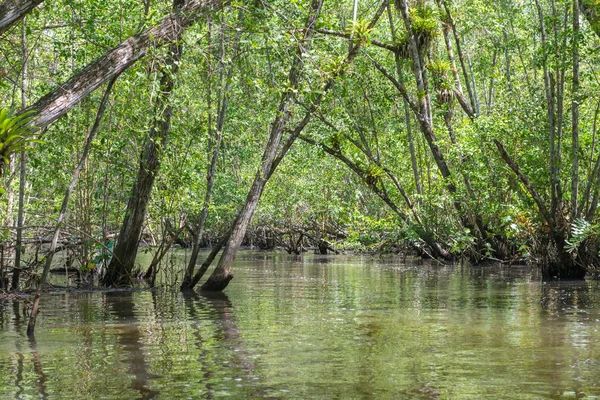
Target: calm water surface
<point x="323" y="327"/>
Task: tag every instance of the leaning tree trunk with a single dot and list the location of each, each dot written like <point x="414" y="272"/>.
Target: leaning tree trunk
<point x="222" y="274"/>
<point x="67" y="95"/>
<point x="11" y="11"/>
<point x="119" y="270"/>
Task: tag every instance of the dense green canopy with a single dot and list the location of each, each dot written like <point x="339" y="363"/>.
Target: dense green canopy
<point x="448" y="129"/>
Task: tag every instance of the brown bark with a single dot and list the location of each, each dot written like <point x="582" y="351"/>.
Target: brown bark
<point x="204" y="267"/>
<point x="12" y="11"/>
<point x="222" y="275"/>
<point x="119" y="270"/>
<point x="58" y="102"/>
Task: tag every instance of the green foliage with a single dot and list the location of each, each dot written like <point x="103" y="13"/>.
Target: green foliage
<point x="360" y="31"/>
<point x="364" y="115"/>
<point x="15" y="135"/>
<point x="581" y="231"/>
<point x="424" y="21"/>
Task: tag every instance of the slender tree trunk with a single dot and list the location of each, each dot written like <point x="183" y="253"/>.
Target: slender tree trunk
<point x="222" y="274"/>
<point x="461" y="57"/>
<point x="63" y="209"/>
<point x="411" y="148"/>
<point x="5" y="251"/>
<point x="491" y="91"/>
<point x="422" y="111"/>
<point x="575" y="114"/>
<point x="23" y="165"/>
<point x="507" y="60"/>
<point x="122" y="263"/>
<point x="548" y="84"/>
<point x="223" y="103"/>
<point x="20" y="219"/>
<point x="407" y="121"/>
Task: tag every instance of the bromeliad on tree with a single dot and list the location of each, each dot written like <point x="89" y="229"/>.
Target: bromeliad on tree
<point x="16" y="135"/>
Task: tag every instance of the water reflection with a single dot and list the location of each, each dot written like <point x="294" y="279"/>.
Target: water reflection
<point x="39" y="371"/>
<point x="218" y="307"/>
<point x="26" y="358"/>
<point x="297" y="327"/>
<point x="121" y="306"/>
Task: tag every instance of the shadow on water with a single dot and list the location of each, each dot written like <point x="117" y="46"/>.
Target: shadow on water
<point x="121" y="305"/>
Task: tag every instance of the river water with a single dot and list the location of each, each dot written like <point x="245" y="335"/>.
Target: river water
<point x="315" y="327"/>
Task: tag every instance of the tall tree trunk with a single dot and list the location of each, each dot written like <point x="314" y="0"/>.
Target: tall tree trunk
<point x="20" y="218"/>
<point x="23" y="165"/>
<point x="407" y="121"/>
<point x="575" y="114"/>
<point x="11" y="11"/>
<point x="63" y="209"/>
<point x="507" y="60"/>
<point x="222" y="274"/>
<point x="550" y="100"/>
<point x="461" y="57"/>
<point x="119" y="270"/>
<point x="422" y="110"/>
<point x="491" y="91"/>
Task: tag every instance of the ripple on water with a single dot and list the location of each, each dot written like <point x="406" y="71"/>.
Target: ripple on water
<point x="315" y="327"/>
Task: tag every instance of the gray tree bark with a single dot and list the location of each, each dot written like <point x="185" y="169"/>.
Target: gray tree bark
<point x="12" y="11"/>
<point x="58" y="102"/>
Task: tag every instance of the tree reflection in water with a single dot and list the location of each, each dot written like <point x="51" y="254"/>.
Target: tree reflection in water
<point x="19" y="323"/>
<point x="217" y="308"/>
<point x="128" y="336"/>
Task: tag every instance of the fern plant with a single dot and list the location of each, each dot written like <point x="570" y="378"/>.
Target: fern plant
<point x="581" y="230"/>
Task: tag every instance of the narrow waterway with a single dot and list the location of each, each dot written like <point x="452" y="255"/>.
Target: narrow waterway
<point x="322" y="327"/>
